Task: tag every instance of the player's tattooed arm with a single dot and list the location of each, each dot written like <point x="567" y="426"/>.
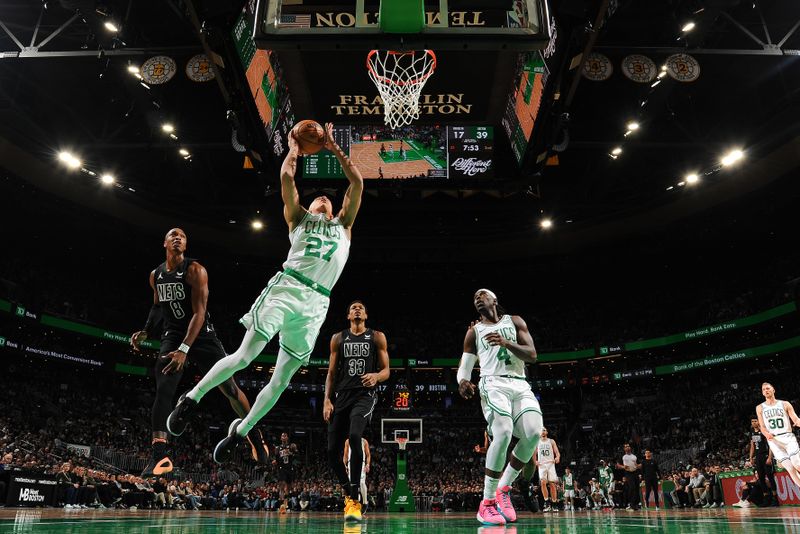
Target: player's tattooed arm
<point x="293" y="211"/>
<point x="327" y="408"/>
<point x="523" y="349"/>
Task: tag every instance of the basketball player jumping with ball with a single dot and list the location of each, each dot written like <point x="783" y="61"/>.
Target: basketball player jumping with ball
<point x="294" y="303"/>
<point x="502" y="345"/>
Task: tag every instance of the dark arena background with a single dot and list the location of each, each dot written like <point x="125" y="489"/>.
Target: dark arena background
<point x="622" y="175"/>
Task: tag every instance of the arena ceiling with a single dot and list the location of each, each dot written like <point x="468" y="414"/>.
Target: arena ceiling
<point x="65" y="85"/>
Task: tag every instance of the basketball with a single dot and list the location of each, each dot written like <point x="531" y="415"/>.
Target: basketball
<point x="310" y="136"/>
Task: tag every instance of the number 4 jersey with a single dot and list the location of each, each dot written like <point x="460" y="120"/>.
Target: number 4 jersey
<point x="495" y="360"/>
<point x="357" y="356"/>
<point x="175" y="298"/>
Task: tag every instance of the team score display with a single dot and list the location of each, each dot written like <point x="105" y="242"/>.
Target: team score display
<point x="356" y="366"/>
<point x="315" y="245"/>
<point x="177" y="311"/>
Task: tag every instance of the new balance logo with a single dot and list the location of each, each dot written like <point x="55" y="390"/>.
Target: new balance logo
<point x="178" y="275"/>
<point x="367" y="337"/>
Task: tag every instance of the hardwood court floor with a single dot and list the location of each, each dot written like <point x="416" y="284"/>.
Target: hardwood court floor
<point x="767" y="520"/>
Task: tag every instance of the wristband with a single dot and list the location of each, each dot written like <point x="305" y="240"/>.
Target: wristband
<point x="184" y="348"/>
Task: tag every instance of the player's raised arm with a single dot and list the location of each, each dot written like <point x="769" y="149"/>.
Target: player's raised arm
<point x="327" y="409"/>
<point x="352" y="198"/>
<point x="466" y="388"/>
<point x="292" y="210"/>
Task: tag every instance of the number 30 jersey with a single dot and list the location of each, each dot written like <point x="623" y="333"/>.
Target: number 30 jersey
<point x="775" y="418"/>
<point x="319" y="250"/>
<point x="175" y="297"/>
<point x="495" y="360"/>
<point x="357" y="356"/>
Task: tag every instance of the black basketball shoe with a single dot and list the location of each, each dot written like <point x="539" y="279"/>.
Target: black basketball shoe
<point x="179" y="419"/>
<point x="226" y="450"/>
<point x="159" y="463"/>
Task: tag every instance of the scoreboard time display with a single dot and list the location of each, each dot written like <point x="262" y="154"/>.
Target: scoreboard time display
<point x="401" y="398"/>
<point x="420" y="152"/>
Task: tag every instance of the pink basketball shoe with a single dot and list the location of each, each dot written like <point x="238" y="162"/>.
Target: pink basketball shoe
<point x="504" y="504"/>
<point x="489" y="515"/>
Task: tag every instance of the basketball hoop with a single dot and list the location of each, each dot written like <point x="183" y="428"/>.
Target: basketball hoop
<point x="400" y="77"/>
<point x="402" y="442"/>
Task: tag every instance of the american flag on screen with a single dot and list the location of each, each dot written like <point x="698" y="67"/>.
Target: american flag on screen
<point x="296" y="21"/>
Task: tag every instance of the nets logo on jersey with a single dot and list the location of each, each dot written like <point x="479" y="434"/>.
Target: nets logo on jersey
<point x="171" y="291"/>
<point x="356" y="350"/>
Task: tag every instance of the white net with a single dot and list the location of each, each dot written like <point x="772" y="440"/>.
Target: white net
<point x="400" y="77"/>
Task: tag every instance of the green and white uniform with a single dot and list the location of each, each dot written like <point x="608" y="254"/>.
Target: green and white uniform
<point x="547" y="460"/>
<point x="606" y="478"/>
<point x="569" y="487"/>
<point x="503" y="387"/>
<point x="295" y="302"/>
<point x="776" y="420"/>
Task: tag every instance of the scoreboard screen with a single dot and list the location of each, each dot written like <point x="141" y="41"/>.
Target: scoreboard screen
<point x="522" y="107"/>
<point x="414" y="153"/>
<point x="263" y="73"/>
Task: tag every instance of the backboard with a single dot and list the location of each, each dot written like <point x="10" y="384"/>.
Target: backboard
<point x="393" y="428"/>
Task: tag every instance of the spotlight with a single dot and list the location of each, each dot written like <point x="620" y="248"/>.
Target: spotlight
<point x="616" y="151"/>
<point x="167" y="128"/>
<point x="664" y="68"/>
<point x="173" y="136"/>
<point x="257" y="225"/>
<point x="133" y="69"/>
<point x="681" y="184"/>
<point x="183" y="152"/>
<point x="732" y="157"/>
<point x="692" y="179"/>
<point x="107" y="179"/>
<point x="69" y="160"/>
<point x="656" y="82"/>
<point x="670" y="188"/>
<point x="110" y="26"/>
<point x="546" y="224"/>
<point x="65" y="156"/>
<point x="689" y="26"/>
<point x="632" y="126"/>
<point x="662" y="74"/>
<point x="144" y="85"/>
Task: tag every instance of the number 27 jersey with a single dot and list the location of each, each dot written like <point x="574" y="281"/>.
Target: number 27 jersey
<point x="319" y="249"/>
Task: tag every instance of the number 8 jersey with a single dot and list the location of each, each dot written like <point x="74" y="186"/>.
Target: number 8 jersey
<point x="175" y="298"/>
<point x="357" y="356"/>
<point x="319" y="250"/>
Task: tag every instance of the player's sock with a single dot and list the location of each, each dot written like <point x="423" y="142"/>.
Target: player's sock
<point x="252" y="345"/>
<point x="509" y="475"/>
<point x="159" y="448"/>
<point x="285" y="368"/>
<point x="490" y="487"/>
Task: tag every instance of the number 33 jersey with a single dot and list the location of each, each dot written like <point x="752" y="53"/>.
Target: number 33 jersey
<point x="175" y="297"/>
<point x="494" y="359"/>
<point x="319" y="250"/>
<point x="357" y="356"/>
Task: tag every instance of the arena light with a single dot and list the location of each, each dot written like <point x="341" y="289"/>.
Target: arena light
<point x="670" y="188"/>
<point x="632" y="126"/>
<point x="257" y="225"/>
<point x="663" y="68"/>
<point x="732" y="157"/>
<point x="110" y="26"/>
<point x="689" y="26"/>
<point x="167" y="128"/>
<point x="692" y="179"/>
<point x="655" y="83"/>
<point x="183" y="152"/>
<point x="107" y="179"/>
<point x="617" y="150"/>
<point x="68" y="159"/>
<point x="133" y="69"/>
<point x="681" y="184"/>
<point x="546" y="224"/>
<point x="662" y="74"/>
<point x="173" y="137"/>
<point x="144" y="85"/>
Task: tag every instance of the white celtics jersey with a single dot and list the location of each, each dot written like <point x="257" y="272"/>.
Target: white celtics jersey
<point x="319" y="250"/>
<point x="775" y="418"/>
<point x="495" y="360"/>
<point x="545" y="452"/>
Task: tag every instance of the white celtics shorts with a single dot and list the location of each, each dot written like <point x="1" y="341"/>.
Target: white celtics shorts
<point x="292" y="308"/>
<point x="509" y="397"/>
<point x="569" y="493"/>
<point x="547" y="473"/>
<point x="783" y="446"/>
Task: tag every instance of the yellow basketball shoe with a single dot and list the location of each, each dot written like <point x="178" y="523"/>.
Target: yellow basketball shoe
<point x="352" y="510"/>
